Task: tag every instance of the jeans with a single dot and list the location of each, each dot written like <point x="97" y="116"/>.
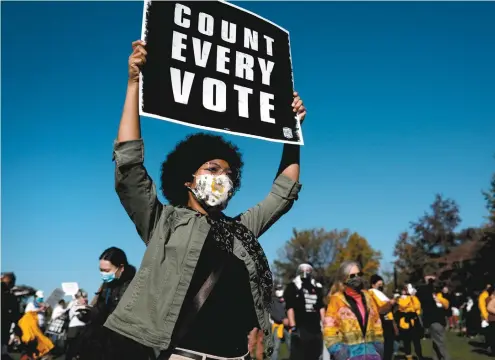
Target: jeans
<point x="437" y="334"/>
<point x="277" y="341"/>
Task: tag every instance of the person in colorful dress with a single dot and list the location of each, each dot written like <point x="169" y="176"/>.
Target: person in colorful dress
<point x="352" y="326"/>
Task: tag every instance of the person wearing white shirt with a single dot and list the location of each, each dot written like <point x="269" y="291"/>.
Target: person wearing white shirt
<point x="56" y="329"/>
<point x="59" y="310"/>
<point x="39" y="307"/>
<point x="75" y="324"/>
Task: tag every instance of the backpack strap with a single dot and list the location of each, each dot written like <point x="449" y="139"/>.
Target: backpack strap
<point x="197" y="303"/>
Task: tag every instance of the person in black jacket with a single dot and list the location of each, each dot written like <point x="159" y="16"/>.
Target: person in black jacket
<point x="433" y="316"/>
<point x="10" y="309"/>
<point x="116" y="274"/>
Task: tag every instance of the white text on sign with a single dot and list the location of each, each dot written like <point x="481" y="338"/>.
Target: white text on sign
<point x="214" y="90"/>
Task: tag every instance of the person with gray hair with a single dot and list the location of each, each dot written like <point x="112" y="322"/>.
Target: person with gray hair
<point x="352" y="325"/>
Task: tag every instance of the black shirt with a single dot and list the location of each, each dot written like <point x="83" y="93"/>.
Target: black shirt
<point x="458" y="300"/>
<point x="306" y="303"/>
<point x="431" y="312"/>
<point x="10" y="312"/>
<point x="277" y="310"/>
<point x="223" y="323"/>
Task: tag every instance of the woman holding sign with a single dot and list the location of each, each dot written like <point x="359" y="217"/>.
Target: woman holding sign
<point x="204" y="282"/>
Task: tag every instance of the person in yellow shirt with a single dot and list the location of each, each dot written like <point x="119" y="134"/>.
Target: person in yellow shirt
<point x="410" y="327"/>
<point x="482" y="303"/>
<point x="441" y="300"/>
<point x="483" y="310"/>
<point x="385" y="306"/>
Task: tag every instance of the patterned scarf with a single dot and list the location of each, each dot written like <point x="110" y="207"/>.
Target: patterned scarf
<point x="224" y="230"/>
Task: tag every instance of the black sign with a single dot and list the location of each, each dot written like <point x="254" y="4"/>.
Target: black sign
<point x="213" y="65"/>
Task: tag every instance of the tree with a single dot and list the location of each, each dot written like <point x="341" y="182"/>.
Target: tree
<point x="316" y="246"/>
<point x="357" y="248"/>
<point x="485" y="263"/>
<point x="435" y="232"/>
<point x="411" y="259"/>
<point x="432" y="237"/>
<point x="391" y="278"/>
<point x="489" y="196"/>
<point x="326" y="251"/>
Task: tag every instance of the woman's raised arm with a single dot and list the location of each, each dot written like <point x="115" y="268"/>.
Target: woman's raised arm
<point x="285" y="188"/>
<point x="130" y="126"/>
<point x="136" y="190"/>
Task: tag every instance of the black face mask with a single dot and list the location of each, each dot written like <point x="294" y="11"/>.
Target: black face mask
<point x="306" y="276"/>
<point x="356" y="283"/>
<point x="381" y="288"/>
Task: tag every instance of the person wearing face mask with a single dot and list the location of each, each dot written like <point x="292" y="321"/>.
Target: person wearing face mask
<point x="385" y="307"/>
<point x="35" y="343"/>
<point x="352" y="327"/>
<point x="305" y="310"/>
<point x="280" y="327"/>
<point x="201" y="268"/>
<point x="116" y="274"/>
<point x="38" y="306"/>
<point x="410" y="328"/>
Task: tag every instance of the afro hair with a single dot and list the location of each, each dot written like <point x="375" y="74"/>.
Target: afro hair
<point x="188" y="156"/>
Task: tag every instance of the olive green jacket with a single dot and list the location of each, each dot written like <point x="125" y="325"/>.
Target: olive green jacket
<point x="174" y="236"/>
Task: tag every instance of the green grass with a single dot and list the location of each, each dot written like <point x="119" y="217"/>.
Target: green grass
<point x="458" y="348"/>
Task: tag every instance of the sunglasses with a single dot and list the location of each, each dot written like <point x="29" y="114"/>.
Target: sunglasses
<point x="352" y="276"/>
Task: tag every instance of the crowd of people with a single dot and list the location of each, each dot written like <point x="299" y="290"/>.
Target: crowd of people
<point x="74" y="329"/>
<point x="204" y="289"/>
<point x="359" y="323"/>
<point x="353" y="322"/>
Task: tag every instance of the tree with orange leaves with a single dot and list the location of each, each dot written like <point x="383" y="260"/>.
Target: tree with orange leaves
<point x="357" y="248"/>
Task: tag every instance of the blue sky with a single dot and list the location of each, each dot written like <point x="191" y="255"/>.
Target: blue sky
<point x="400" y="99"/>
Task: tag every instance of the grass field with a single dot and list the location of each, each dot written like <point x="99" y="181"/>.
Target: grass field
<point x="459" y="349"/>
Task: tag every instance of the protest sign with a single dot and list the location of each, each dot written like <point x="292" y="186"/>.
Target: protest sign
<point x="215" y="66"/>
<point x="55" y="297"/>
<point x="70" y="288"/>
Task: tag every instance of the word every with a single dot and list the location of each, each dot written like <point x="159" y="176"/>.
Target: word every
<point x="214" y="90"/>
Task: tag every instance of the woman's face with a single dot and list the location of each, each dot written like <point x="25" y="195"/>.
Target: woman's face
<point x="212" y="185"/>
<point x="354" y="271"/>
<point x="378" y="284"/>
<point x="212" y="167"/>
<point x="107" y="267"/>
<point x="82" y="300"/>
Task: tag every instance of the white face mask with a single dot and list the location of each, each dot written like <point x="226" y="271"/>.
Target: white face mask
<point x="279" y="293"/>
<point x="213" y="190"/>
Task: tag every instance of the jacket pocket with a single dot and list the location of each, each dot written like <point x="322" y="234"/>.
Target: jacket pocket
<point x="141" y="279"/>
